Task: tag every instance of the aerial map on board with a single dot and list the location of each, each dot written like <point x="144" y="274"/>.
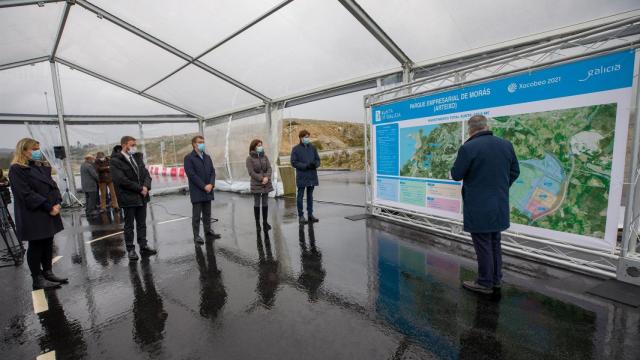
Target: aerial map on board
<point x="429" y="151"/>
<point x="565" y="167"/>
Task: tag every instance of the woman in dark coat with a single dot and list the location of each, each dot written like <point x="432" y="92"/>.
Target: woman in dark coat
<point x="306" y="161"/>
<point x="37" y="202"/>
<point x="260" y="172"/>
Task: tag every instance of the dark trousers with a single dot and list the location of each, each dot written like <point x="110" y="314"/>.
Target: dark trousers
<point x="201" y="210"/>
<point x="139" y="215"/>
<point x="489" y="256"/>
<point x="309" y="200"/>
<point x="92" y="201"/>
<point x="39" y="255"/>
<point x="261" y="198"/>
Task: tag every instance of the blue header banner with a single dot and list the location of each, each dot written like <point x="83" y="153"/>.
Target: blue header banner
<point x="608" y="72"/>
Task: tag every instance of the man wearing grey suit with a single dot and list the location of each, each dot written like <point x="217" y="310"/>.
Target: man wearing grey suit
<point x="89" y="181"/>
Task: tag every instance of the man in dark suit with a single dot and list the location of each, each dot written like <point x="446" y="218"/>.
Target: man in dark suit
<point x="488" y="166"/>
<point x="132" y="182"/>
<point x="306" y="161"/>
<point x="202" y="180"/>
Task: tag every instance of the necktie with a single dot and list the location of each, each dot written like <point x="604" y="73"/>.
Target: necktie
<point x="135" y="166"/>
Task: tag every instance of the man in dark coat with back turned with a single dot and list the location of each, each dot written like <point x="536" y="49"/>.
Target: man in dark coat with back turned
<point x="132" y="182"/>
<point x="306" y="161"/>
<point x="488" y="166"/>
<point x="202" y="180"/>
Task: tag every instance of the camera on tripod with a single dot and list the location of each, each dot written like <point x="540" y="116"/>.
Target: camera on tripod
<point x="14" y="250"/>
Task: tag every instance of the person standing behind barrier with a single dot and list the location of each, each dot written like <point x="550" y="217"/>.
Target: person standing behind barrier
<point x="89" y="180"/>
<point x="132" y="182"/>
<point x="104" y="175"/>
<point x="199" y="169"/>
<point x="36" y="208"/>
<point x="260" y="172"/>
<point x="306" y="161"/>
<point x="488" y="166"/>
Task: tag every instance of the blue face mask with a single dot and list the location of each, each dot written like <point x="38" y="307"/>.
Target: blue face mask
<point x="306" y="140"/>
<point x="259" y="149"/>
<point x="201" y="147"/>
<point x="36" y="155"/>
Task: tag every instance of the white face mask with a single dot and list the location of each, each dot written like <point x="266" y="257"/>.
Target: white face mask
<point x="132" y="150"/>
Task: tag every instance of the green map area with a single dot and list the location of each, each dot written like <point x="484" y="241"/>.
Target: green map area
<point x="565" y="159"/>
<point x="429" y="151"/>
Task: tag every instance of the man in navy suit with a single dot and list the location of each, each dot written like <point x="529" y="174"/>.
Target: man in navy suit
<point x="202" y="180"/>
<point x="488" y="166"/>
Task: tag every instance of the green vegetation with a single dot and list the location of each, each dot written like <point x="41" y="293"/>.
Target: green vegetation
<point x="581" y="139"/>
<point x="436" y="153"/>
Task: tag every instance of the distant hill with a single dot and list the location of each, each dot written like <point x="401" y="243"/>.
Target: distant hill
<point x="5" y="157"/>
<point x="340" y="143"/>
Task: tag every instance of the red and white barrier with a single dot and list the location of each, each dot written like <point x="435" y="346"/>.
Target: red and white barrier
<point x="173" y="171"/>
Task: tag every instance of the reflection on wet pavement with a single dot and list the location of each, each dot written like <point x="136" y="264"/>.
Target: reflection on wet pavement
<point x="335" y="290"/>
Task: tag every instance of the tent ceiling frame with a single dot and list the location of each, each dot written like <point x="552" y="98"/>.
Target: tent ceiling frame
<point x="169" y="48"/>
<point x="12" y="3"/>
<point x="123" y="86"/>
<point x="63" y="21"/>
<point x="376" y="31"/>
<point x="542" y="47"/>
<point x="224" y="41"/>
<point x="24" y="62"/>
<point x="95" y="119"/>
<point x="424" y="70"/>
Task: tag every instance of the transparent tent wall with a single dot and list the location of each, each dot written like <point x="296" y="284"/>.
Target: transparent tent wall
<point x="228" y="142"/>
<point x="215" y="135"/>
<point x="90" y="139"/>
<point x="9" y="136"/>
<point x="336" y="126"/>
<point x="242" y="132"/>
<point x="166" y="145"/>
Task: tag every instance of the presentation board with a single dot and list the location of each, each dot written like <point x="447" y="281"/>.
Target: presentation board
<point x="568" y="125"/>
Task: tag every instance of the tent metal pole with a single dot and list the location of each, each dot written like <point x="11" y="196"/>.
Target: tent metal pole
<point x="144" y="145"/>
<point x="12" y="3"/>
<point x="57" y="90"/>
<point x="628" y="244"/>
<point x="376" y="31"/>
<point x="201" y="126"/>
<point x="23" y="63"/>
<point x="367" y="171"/>
<point x="65" y="15"/>
<point x="267" y="114"/>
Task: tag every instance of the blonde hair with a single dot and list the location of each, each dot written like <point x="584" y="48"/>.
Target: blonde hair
<point x="25" y="144"/>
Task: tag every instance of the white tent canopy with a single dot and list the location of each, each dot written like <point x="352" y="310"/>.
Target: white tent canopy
<point x="206" y="58"/>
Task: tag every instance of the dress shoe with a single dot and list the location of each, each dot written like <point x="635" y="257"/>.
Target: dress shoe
<point x="198" y="240"/>
<point x="266" y="226"/>
<point x="39" y="282"/>
<point x="313" y="219"/>
<point x="133" y="256"/>
<point x="51" y="277"/>
<point x="147" y="251"/>
<point x="302" y="220"/>
<point x="475" y="287"/>
<point x="210" y="234"/>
